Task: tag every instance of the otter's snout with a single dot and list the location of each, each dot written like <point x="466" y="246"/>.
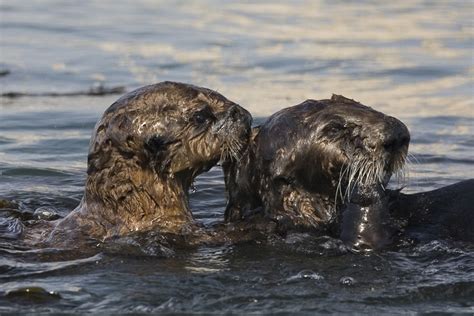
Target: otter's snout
<point x="238" y="114"/>
<point x="236" y="121"/>
<point x="390" y="135"/>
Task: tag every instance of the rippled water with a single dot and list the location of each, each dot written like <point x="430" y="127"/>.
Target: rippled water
<point x="412" y="60"/>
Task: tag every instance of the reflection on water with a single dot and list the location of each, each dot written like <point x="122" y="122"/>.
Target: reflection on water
<point x="410" y="59"/>
<point x="208" y="260"/>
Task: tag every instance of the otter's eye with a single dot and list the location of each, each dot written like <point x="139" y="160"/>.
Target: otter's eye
<point x="335" y="128"/>
<point x="202" y="116"/>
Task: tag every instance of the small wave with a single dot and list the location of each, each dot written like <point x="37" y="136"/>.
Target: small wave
<point x="458" y="291"/>
<point x="420" y="71"/>
<point x="15" y="269"/>
<point x="40" y="172"/>
<point x="6" y="140"/>
<point x="313" y="245"/>
<point x="10" y="228"/>
<point x="33" y="294"/>
<point x="426" y="159"/>
<point x="139" y="244"/>
<point x="347" y="281"/>
<point x="438" y="247"/>
<point x="208" y="260"/>
<point x="305" y="275"/>
<point x="95" y="91"/>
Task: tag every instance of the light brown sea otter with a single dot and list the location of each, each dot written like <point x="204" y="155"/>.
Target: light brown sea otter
<point x="144" y="154"/>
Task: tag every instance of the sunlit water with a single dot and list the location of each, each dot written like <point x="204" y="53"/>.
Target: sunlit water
<point x="411" y="60"/>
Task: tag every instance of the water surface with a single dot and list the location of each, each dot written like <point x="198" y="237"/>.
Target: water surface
<point x="412" y="60"/>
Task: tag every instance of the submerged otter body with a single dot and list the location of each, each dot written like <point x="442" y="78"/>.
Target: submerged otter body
<point x="322" y="166"/>
<point x="392" y="216"/>
<point x="447" y="212"/>
<point x="144" y="154"/>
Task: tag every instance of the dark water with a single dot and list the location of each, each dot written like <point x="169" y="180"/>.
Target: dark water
<point x="411" y="60"/>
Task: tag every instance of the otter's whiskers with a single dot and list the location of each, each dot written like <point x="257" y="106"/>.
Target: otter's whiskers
<point x="231" y="149"/>
<point x="365" y="171"/>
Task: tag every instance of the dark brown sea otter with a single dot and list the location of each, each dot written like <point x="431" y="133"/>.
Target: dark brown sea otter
<point x="322" y="166"/>
<point x="144" y="154"/>
<point x="305" y="163"/>
<point x="310" y="157"/>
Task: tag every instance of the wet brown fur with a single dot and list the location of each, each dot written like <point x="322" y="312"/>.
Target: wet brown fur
<point x="144" y="154"/>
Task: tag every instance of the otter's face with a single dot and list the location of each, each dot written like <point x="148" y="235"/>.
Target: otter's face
<point x="363" y="147"/>
<point x="172" y="129"/>
<point x="212" y="131"/>
<point x="369" y="147"/>
<point x="314" y="154"/>
<point x="331" y="146"/>
<point x="194" y="129"/>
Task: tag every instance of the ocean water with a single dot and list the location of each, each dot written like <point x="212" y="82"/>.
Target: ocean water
<point x="63" y="63"/>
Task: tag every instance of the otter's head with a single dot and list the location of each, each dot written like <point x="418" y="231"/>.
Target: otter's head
<point x="359" y="146"/>
<point x="151" y="144"/>
<point x="359" y="150"/>
<point x="314" y="154"/>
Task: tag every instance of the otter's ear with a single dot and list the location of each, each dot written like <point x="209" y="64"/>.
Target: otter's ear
<point x="342" y="99"/>
<point x="160" y="151"/>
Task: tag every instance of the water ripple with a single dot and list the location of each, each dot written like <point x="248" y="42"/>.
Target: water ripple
<point x="12" y="269"/>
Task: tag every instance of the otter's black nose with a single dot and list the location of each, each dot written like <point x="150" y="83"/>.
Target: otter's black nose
<point x="241" y="115"/>
<point x="392" y="135"/>
<point x="394" y="143"/>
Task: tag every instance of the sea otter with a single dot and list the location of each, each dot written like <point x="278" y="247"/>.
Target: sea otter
<point x="310" y="157"/>
<point x="323" y="166"/>
<point x="144" y="154"/>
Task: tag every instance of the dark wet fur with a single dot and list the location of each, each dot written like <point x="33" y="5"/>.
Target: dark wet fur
<point x="294" y="175"/>
<point x="444" y="213"/>
<point x="293" y="165"/>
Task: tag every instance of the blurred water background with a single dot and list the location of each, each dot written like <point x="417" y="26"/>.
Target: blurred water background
<point x="62" y="63"/>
